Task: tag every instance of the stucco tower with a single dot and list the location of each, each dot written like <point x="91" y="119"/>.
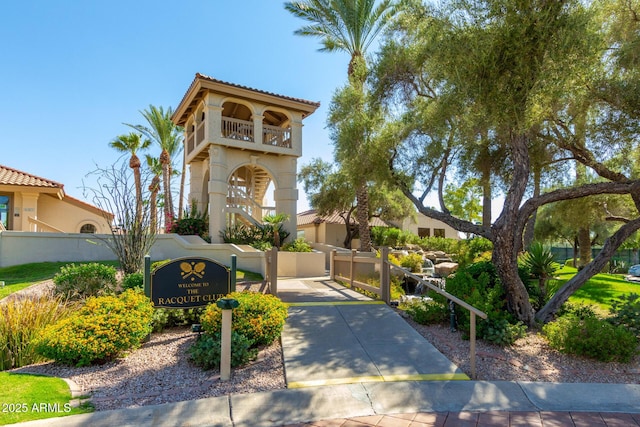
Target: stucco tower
<point x="240" y="143"/>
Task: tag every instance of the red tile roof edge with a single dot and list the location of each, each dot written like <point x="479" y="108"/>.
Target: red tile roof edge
<point x="50" y="183"/>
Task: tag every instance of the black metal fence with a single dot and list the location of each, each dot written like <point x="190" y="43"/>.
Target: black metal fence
<point x="628" y="256"/>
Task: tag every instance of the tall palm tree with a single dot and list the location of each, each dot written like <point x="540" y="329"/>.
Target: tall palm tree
<point x="349" y="26"/>
<point x="167" y="135"/>
<point x="131" y="143"/>
<point x="156" y="169"/>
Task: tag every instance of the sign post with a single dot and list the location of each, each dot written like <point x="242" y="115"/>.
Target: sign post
<point x="226" y="305"/>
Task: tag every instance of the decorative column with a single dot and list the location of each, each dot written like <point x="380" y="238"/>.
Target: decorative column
<point x="196" y="175"/>
<point x="218" y="189"/>
<point x="296" y="137"/>
<point x="258" y="135"/>
<point x="286" y="197"/>
<point x="213" y="120"/>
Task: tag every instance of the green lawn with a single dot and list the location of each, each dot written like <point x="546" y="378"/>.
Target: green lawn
<point x="21" y="276"/>
<point x="599" y="291"/>
<point x="18" y="277"/>
<point x="26" y="397"/>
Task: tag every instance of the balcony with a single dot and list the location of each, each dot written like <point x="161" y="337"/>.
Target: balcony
<point x="242" y="131"/>
<point x="276" y="136"/>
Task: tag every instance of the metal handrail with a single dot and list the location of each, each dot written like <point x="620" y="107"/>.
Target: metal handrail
<point x="473" y="312"/>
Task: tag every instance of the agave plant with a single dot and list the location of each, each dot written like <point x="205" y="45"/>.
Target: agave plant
<point x="539" y="260"/>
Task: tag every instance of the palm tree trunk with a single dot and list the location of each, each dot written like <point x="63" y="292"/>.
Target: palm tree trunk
<point x="182" y="178"/>
<point x="362" y="214"/>
<point x="138" y="184"/>
<point x="165" y="160"/>
<point x="154" y="188"/>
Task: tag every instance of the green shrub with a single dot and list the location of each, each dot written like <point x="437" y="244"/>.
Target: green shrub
<point x="104" y="328"/>
<point x="427" y="311"/>
<point x="206" y="351"/>
<point x="412" y="262"/>
<point x="169" y="317"/>
<point x="133" y="281"/>
<point x="298" y="245"/>
<point x="626" y="312"/>
<point x="444" y="244"/>
<point x="160" y="263"/>
<point x="259" y="236"/>
<point x="193" y="223"/>
<point x="478" y="285"/>
<point x="474" y="250"/>
<point x="259" y="317"/>
<point x="85" y="280"/>
<point x="591" y="337"/>
<point x="21" y="323"/>
<point x="581" y="311"/>
<point x="502" y="332"/>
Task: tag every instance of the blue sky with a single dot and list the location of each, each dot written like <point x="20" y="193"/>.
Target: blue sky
<point x="73" y="71"/>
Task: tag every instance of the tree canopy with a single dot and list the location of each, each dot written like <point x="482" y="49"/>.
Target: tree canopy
<point x="509" y="93"/>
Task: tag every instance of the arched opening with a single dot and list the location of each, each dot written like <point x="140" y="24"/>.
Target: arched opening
<point x="236" y="122"/>
<point x="251" y="188"/>
<point x="276" y="129"/>
<point x="88" y="229"/>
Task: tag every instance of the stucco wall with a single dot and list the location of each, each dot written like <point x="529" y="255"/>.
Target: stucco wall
<point x="68" y="217"/>
<point x="430" y="223"/>
<point x="301" y="264"/>
<point x="26" y="247"/>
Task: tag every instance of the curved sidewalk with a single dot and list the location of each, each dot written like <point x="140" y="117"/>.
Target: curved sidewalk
<point x="352" y="363"/>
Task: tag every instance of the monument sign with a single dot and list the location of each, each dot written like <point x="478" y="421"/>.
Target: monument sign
<point x="188" y="283"/>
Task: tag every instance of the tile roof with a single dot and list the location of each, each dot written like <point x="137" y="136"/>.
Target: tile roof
<point x="178" y="114"/>
<point x="10" y="176"/>
<point x="311" y="217"/>
<point x="211" y="79"/>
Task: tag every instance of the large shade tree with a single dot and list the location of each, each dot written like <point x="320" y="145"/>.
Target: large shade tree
<point x="509" y="71"/>
<point x="331" y="192"/>
<point x="349" y="26"/>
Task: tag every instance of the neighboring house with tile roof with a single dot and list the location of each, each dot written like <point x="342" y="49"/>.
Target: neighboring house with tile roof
<point x="331" y="229"/>
<point x="31" y="203"/>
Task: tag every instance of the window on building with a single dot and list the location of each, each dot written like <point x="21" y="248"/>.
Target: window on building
<point x="438" y="232"/>
<point x="424" y="232"/>
<point x="88" y="228"/>
<point x="5" y="211"/>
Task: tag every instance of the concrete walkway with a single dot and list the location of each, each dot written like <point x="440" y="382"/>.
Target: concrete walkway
<point x="349" y="362"/>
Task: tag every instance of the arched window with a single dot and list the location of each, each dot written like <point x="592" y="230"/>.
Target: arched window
<point x="88" y="228"/>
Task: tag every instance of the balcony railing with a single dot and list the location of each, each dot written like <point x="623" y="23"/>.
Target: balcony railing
<point x="276" y="136"/>
<point x="237" y="129"/>
<point x="190" y="143"/>
<point x="200" y="132"/>
<point x="241" y="130"/>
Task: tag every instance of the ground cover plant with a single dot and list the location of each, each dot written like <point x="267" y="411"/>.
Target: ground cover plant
<point x="27" y="397"/>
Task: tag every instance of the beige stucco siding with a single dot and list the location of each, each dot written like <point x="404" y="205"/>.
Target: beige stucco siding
<point x="68" y="217"/>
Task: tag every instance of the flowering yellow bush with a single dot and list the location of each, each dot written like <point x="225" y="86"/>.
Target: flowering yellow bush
<point x="259" y="317"/>
<point x="101" y="330"/>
